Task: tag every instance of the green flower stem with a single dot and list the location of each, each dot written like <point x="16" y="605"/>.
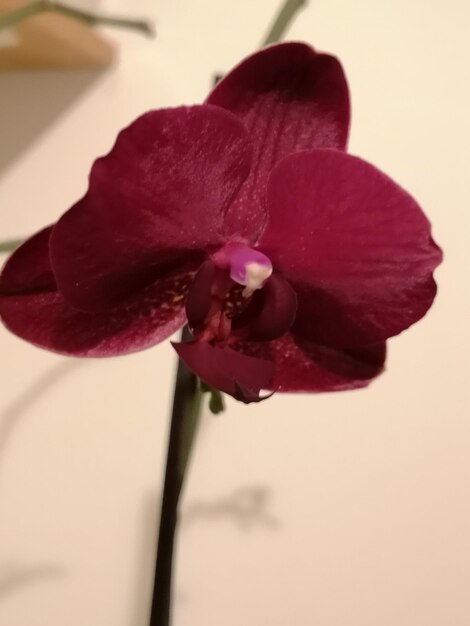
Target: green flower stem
<point x="9" y="246"/>
<point x="92" y="19"/>
<point x="283" y="19"/>
<point x="187" y="405"/>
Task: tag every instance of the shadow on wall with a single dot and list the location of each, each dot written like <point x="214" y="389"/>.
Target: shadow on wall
<point x="26" y="400"/>
<point x="31" y="101"/>
<point x="15" y="577"/>
<point x="247" y="507"/>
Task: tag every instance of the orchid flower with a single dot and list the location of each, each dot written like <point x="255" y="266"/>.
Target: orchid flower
<point x="291" y="261"/>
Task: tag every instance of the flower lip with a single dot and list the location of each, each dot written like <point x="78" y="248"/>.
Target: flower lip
<point x="220" y="312"/>
<point x="239" y="375"/>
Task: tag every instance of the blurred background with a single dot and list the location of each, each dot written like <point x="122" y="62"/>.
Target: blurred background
<point x="348" y="509"/>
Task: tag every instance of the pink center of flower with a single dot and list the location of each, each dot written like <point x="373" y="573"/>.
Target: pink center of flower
<point x="236" y="299"/>
<point x="248" y="267"/>
<point x="221" y="312"/>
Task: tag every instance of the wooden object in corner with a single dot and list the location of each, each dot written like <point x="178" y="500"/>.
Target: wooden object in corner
<point x="50" y="41"/>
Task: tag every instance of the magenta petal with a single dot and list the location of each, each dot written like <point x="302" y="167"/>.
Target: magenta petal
<point x="28" y="269"/>
<point x="32" y="308"/>
<point x="199" y="298"/>
<point x="243" y="377"/>
<point x="355" y="246"/>
<point x="300" y="365"/>
<point x="270" y="314"/>
<point x="157" y="197"/>
<point x="290" y="98"/>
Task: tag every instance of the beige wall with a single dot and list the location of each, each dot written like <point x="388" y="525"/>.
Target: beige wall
<point x="335" y="510"/>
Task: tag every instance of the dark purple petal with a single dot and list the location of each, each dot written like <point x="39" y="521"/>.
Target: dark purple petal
<point x="157" y="197"/>
<point x="32" y="308"/>
<point x="270" y="314"/>
<point x="243" y="377"/>
<point x="356" y="248"/>
<point x="300" y="365"/>
<point x="28" y="269"/>
<point x="290" y="98"/>
<point x="199" y="298"/>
